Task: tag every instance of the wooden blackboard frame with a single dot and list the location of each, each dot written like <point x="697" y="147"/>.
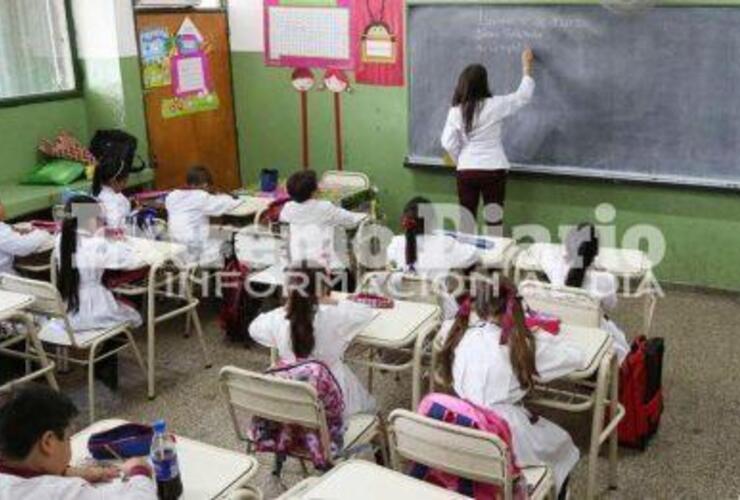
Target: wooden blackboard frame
<point x="437" y="166"/>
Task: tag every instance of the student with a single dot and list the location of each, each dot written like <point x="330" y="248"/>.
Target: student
<point x="84" y="254"/>
<point x="473" y="132"/>
<point x="573" y="267"/>
<point x="492" y="361"/>
<point x="35" y="451"/>
<point x="429" y="255"/>
<point x="312" y="325"/>
<point x="188" y="212"/>
<point x="313" y="222"/>
<point x="110" y="179"/>
<point x="14" y="243"/>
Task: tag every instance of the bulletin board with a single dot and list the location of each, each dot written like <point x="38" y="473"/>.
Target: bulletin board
<point x="315" y="35"/>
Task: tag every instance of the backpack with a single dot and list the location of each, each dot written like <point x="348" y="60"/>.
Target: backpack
<point x="640" y="392"/>
<point x="118" y="145"/>
<point x="236" y="309"/>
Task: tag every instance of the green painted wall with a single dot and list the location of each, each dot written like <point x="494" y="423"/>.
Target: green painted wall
<point x="21" y="128"/>
<point x="701" y="228"/>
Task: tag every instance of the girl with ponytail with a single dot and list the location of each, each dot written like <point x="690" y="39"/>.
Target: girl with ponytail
<point x="491" y="359"/>
<point x="109" y="181"/>
<point x="573" y="267"/>
<point x="313" y="325"/>
<point x="83" y="254"/>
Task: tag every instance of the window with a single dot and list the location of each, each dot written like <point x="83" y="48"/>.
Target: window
<point x="35" y="49"/>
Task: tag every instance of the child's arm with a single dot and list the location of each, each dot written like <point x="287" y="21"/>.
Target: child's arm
<point x="216" y="205"/>
<point x="510" y="104"/>
<point x="452" y="135"/>
<point x="21" y="245"/>
<point x="265" y="327"/>
<point x="344" y="218"/>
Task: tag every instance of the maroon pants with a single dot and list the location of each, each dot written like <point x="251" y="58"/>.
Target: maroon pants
<point x="491" y="185"/>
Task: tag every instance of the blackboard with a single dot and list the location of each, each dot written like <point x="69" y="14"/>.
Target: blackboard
<point x="653" y="96"/>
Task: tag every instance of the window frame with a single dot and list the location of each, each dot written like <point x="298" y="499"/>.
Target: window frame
<point x="60" y="95"/>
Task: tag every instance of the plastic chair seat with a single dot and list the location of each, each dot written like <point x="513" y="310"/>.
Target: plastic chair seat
<point x="54" y="333"/>
<point x="361" y="428"/>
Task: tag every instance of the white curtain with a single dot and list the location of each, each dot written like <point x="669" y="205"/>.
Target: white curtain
<point x="35" y="51"/>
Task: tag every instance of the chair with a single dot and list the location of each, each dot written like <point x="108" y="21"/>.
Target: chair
<point x="292" y="402"/>
<point x="469" y="453"/>
<point x="49" y="304"/>
<point x="343" y="179"/>
<point x="246" y="493"/>
<point x="573" y="306"/>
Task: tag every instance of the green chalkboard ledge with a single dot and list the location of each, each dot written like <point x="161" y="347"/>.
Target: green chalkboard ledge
<point x="21" y="200"/>
<point x="435" y="165"/>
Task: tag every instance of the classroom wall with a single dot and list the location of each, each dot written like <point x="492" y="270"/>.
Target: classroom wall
<point x="700" y="227"/>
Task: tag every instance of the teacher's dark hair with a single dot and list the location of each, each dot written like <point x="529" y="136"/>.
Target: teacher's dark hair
<point x="472" y="89"/>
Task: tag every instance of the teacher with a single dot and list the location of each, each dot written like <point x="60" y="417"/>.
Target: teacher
<point x="472" y="138"/>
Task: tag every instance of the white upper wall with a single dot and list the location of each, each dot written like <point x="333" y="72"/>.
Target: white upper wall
<point x="246" y="25"/>
<point x="125" y="28"/>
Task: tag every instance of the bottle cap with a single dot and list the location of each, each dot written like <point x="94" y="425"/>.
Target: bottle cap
<point x="160" y="426"/>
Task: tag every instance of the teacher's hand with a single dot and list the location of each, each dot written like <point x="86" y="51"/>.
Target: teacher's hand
<point x="527" y="61"/>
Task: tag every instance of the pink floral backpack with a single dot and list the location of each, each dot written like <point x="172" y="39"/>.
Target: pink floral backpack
<point x="293" y="440"/>
<point x="457" y="411"/>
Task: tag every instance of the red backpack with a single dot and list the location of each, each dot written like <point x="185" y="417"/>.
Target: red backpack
<point x="640" y="392"/>
<point x="237" y="312"/>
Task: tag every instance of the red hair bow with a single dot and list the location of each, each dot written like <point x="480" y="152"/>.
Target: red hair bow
<point x="408" y="223"/>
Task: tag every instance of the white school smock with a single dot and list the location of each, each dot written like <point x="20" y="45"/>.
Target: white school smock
<point x="99" y="308"/>
<point x="116" y="207"/>
<point x="188" y="213"/>
<point x="482" y="374"/>
<point x="71" y="488"/>
<point x="482" y="148"/>
<point x="313" y="225"/>
<point x="601" y="285"/>
<point x="14" y="244"/>
<point x="334" y="328"/>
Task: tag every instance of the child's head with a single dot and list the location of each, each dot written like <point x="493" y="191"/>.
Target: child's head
<point x="199" y="177"/>
<point x="307" y="282"/>
<point x="112" y="173"/>
<point x="302" y="185"/>
<point x="35" y="428"/>
<point x="414" y="224"/>
<point x="496" y="300"/>
<point x="81" y="213"/>
<point x="581" y="249"/>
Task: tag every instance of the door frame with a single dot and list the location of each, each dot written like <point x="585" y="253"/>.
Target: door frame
<point x="185" y="10"/>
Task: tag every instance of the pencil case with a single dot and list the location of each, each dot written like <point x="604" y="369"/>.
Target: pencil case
<point x="126" y="441"/>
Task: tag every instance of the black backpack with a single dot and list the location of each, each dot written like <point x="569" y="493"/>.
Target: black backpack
<point x="118" y="146"/>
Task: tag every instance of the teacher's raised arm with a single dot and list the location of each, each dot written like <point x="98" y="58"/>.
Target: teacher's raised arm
<point x="472" y="138"/>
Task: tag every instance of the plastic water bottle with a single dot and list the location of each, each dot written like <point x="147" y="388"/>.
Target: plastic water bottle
<point x="164" y="460"/>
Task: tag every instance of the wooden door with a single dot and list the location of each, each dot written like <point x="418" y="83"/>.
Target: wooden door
<point x="204" y="138"/>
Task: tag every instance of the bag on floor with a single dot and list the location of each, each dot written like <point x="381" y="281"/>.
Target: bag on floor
<point x="640" y="392"/>
<point x="237" y="312"/>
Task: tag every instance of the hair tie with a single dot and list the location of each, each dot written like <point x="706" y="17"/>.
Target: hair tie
<point x="409" y="223"/>
<point x="465" y="308"/>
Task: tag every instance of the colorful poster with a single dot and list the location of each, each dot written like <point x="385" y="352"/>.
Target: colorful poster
<point x="379" y="38"/>
<point x="190" y="74"/>
<point x="156" y="47"/>
<point x="176" y="106"/>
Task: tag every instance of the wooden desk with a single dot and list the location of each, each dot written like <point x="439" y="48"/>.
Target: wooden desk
<point x="207" y="471"/>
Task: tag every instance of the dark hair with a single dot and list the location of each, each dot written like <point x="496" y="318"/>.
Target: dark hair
<point x="585" y="242"/>
<point x="497" y="298"/>
<point x="413" y="225"/>
<point x="472" y="88"/>
<point x="306" y="282"/>
<point x="69" y="276"/>
<point x="27" y="414"/>
<point x="302" y="185"/>
<point x="199" y="176"/>
<point x="108" y="170"/>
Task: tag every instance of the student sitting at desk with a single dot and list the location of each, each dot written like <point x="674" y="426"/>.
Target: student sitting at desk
<point x="188" y="212"/>
<point x="84" y="254"/>
<point x="14" y="243"/>
<point x="312" y="325"/>
<point x="35" y="432"/>
<point x="313" y="222"/>
<point x="573" y="267"/>
<point x="430" y="255"/>
<point x="492" y="361"/>
<point x="110" y="179"/>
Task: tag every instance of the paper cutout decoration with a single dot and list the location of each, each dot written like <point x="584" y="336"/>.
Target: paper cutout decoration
<point x="379" y="25"/>
<point x="309" y="36"/>
<point x="336" y="82"/>
<point x="190" y="74"/>
<point x="303" y="80"/>
<point x="188" y="27"/>
<point x="176" y="106"/>
<point x="156" y="46"/>
<point x="188" y="44"/>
